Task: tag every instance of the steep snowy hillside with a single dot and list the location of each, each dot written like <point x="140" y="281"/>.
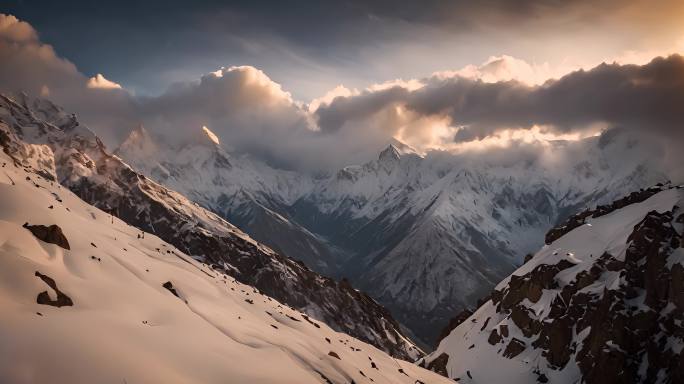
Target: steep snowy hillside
<point x="86" y="298"/>
<point x="40" y="137"/>
<point x="602" y="303"/>
<point x="426" y="235"/>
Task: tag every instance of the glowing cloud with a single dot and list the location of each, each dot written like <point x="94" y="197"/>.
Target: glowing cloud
<point x="212" y="136"/>
<point x="99" y="81"/>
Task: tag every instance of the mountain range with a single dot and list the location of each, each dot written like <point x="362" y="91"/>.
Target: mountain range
<point x="88" y="298"/>
<point x="45" y="142"/>
<point x="426" y="235"/>
<point x="96" y="253"/>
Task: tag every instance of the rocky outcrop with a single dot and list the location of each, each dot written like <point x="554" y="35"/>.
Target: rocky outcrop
<point x="44" y="298"/>
<point x="51" y="234"/>
<point x="438" y="365"/>
<point x="612" y="316"/>
<point x="631" y="330"/>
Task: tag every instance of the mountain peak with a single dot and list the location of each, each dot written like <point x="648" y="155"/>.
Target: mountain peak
<point x="138" y="147"/>
<point x="396" y="150"/>
<point x="138" y="138"/>
<point x="390" y="152"/>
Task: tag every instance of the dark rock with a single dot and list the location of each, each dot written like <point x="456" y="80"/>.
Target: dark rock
<point x="51" y="234"/>
<point x="504" y="330"/>
<point x="514" y="348"/>
<point x="169" y="286"/>
<point x="44" y="297"/>
<point x="438" y="365"/>
<point x="521" y="317"/>
<point x="494" y="337"/>
<point x="334" y="354"/>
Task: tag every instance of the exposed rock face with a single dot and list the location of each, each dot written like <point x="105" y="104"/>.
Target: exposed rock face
<point x="44" y="297"/>
<point x="439" y="364"/>
<point x="632" y="329"/>
<point x="82" y="164"/>
<point x="603" y="303"/>
<point x="51" y="234"/>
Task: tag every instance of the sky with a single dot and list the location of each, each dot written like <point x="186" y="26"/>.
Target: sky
<point x="310" y="47"/>
<point x="325" y="83"/>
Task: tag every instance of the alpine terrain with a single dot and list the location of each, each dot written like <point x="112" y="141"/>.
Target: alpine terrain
<point x="51" y="145"/>
<point x="87" y="298"/>
<point x="601" y="302"/>
<point x="426" y="235"/>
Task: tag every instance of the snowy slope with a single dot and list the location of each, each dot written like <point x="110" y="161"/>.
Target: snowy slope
<point x="602" y="303"/>
<point x="124" y="325"/>
<point x="42" y="138"/>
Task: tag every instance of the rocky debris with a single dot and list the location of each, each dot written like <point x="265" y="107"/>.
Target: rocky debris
<point x="169" y="286"/>
<point x="51" y="234"/>
<point x="44" y="297"/>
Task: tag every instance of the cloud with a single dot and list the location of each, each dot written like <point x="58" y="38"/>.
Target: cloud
<point x="642" y="98"/>
<point x="501" y="104"/>
<point x="28" y="65"/>
<point x="99" y="81"/>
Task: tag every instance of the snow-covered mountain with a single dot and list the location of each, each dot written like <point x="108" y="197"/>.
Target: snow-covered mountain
<point x="602" y="302"/>
<point x="40" y="138"/>
<point x="243" y="190"/>
<point x="426" y="235"/>
<point x="86" y="298"/>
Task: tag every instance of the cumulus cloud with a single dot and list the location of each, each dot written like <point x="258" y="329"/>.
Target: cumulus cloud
<point x="504" y="103"/>
<point x="641" y="98"/>
<point x="28" y="65"/>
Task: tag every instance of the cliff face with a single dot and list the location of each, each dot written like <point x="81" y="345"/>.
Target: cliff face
<point x="602" y="303"/>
